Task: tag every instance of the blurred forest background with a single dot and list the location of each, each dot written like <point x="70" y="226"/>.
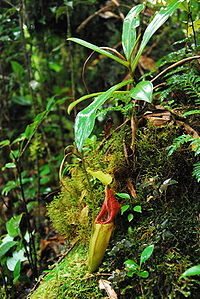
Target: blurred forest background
<point x="40" y="75"/>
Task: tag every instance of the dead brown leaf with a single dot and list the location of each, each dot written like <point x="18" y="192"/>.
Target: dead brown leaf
<point x="105" y="285"/>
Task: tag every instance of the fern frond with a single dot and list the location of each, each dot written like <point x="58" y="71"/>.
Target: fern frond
<point x="178" y="142"/>
<point x="195" y="145"/>
<point x="196" y="171"/>
<point x="184" y="80"/>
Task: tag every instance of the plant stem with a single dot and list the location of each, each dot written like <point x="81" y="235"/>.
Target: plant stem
<point x="32" y="255"/>
<point x="89" y="183"/>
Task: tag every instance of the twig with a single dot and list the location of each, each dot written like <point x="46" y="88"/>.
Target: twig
<point x="175" y="65"/>
<point x="88" y="58"/>
<point x="84" y="23"/>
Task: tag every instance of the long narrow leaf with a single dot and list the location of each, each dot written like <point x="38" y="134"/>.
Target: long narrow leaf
<point x="156" y="23"/>
<point x="85" y="119"/>
<point x="98" y="49"/>
<point x="89" y="96"/>
<point x="85" y="97"/>
<point x="131" y="22"/>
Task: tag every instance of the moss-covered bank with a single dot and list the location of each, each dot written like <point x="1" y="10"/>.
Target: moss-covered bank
<point x="169" y="198"/>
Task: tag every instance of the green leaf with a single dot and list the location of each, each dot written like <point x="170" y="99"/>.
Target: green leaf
<point x="9" y="186"/>
<point x="10" y="165"/>
<point x="50" y="104"/>
<point x="123" y="195"/>
<point x="130" y="217"/>
<point x="16" y="272"/>
<point x="87" y="96"/>
<point x="4" y="248"/>
<point x="130" y="264"/>
<point x="137" y="209"/>
<point x="4" y="143"/>
<point x="39" y="117"/>
<point x="91" y="95"/>
<point x="17" y="68"/>
<point x="195" y="270"/>
<point x="85" y="119"/>
<point x="30" y="130"/>
<point x="142" y="91"/>
<point x="124" y="209"/>
<point x="143" y="274"/>
<point x="55" y="66"/>
<point x="131" y="22"/>
<point x="105" y="178"/>
<point x="155" y="24"/>
<point x="20" y="100"/>
<point x="146" y="253"/>
<point x="12" y="226"/>
<point x="98" y="49"/>
<point x="191" y="112"/>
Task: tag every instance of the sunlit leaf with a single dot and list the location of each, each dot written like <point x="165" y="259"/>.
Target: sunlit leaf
<point x="17" y="68"/>
<point x="105" y="178"/>
<point x="146" y="253"/>
<point x="137" y="209"/>
<point x="195" y="270"/>
<point x="12" y="225"/>
<point x="124" y="208"/>
<point x="85" y="119"/>
<point x="4" y="143"/>
<point x="191" y="112"/>
<point x="131" y="22"/>
<point x="130" y="217"/>
<point x="9" y="186"/>
<point x="30" y="130"/>
<point x="155" y="24"/>
<point x="142" y="91"/>
<point x="98" y="49"/>
<point x="10" y="165"/>
<point x="123" y="195"/>
<point x="143" y="274"/>
<point x="195" y="25"/>
<point x="85" y="97"/>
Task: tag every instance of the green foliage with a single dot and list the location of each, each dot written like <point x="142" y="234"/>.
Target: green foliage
<point x="194" y="145"/>
<point x="195" y="270"/>
<point x="69" y="279"/>
<point x="85" y="119"/>
<point x="131" y="22"/>
<point x="187" y="82"/>
<point x="196" y="171"/>
<point x="13" y="248"/>
<point x="134" y="268"/>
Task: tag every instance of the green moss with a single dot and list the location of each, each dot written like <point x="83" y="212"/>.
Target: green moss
<point x="69" y="279"/>
<point x="168" y="219"/>
<point x="81" y="196"/>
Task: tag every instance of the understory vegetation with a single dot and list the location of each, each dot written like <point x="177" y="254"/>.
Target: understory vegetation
<point x="100" y="170"/>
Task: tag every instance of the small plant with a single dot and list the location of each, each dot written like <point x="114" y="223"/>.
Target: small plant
<point x="136" y="269"/>
<point x="13" y="248"/>
<point x="141" y="91"/>
<point x="195" y="270"/>
<point x="137" y="209"/>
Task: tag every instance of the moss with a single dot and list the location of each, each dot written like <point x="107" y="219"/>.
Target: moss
<point x="69" y="279"/>
<point x="168" y="219"/>
<point x="73" y="211"/>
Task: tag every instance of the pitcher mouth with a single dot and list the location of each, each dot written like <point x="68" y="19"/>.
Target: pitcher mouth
<point x="110" y="208"/>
